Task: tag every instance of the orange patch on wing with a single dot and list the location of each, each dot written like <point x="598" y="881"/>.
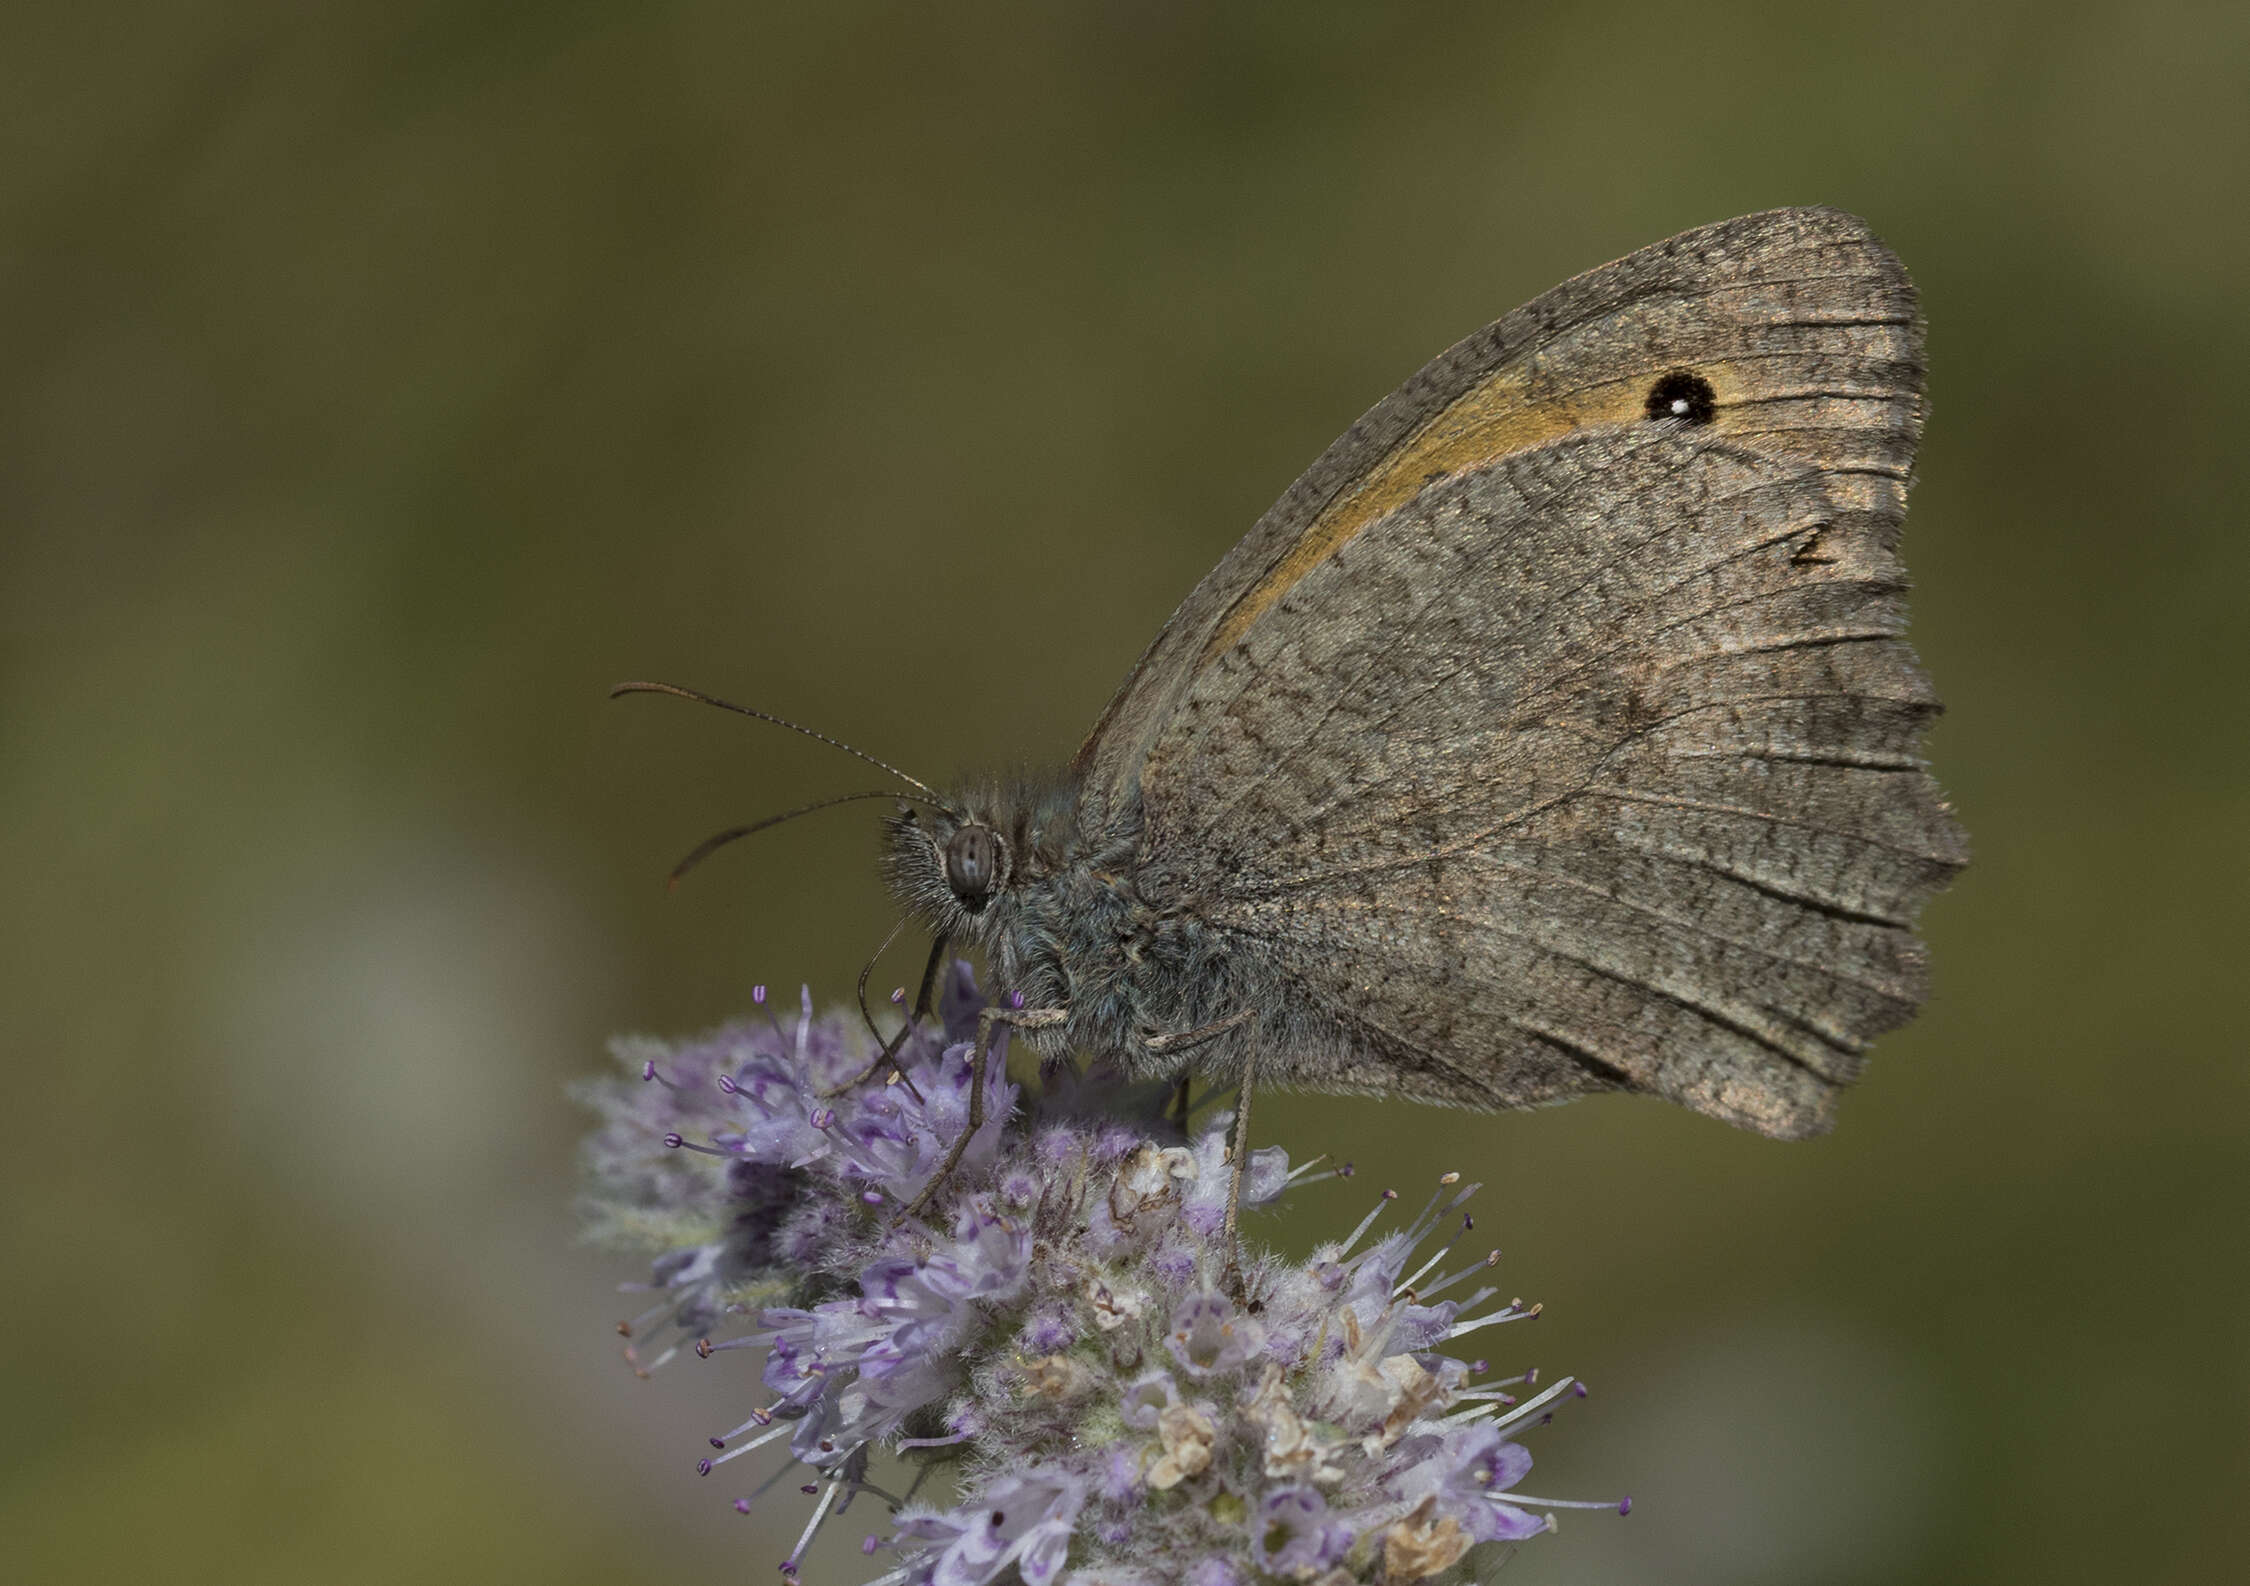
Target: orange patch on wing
<point x="1491" y="420"/>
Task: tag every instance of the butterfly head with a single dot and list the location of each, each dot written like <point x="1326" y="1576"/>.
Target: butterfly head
<point x="950" y="865"/>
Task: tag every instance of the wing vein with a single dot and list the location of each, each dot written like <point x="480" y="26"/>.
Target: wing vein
<point x="1402" y="631"/>
<point x="1724" y="1018"/>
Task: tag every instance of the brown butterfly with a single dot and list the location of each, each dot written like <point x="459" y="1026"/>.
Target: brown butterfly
<point x="1556" y="732"/>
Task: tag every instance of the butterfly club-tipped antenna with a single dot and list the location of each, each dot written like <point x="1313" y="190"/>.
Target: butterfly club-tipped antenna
<point x="888" y="1056"/>
<point x="718" y="840"/>
<point x="929" y="794"/>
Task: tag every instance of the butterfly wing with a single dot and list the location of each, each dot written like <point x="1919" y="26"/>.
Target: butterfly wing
<point x="1805" y="321"/>
<point x="1557" y="732"/>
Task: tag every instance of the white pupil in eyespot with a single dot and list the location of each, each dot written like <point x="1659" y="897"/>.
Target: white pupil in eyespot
<point x="1679" y="406"/>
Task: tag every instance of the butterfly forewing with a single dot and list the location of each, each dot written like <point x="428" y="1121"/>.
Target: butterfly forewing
<point x="1803" y="324"/>
<point x="1551" y="736"/>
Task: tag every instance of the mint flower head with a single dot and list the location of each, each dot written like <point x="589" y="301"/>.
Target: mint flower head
<point x="1056" y="1327"/>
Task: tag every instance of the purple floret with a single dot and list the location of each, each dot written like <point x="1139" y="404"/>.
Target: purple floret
<point x="1057" y="1321"/>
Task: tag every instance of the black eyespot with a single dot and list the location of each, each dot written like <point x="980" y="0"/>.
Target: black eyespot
<point x="1683" y="394"/>
<point x="972" y="864"/>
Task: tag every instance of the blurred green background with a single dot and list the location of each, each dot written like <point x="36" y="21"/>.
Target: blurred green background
<point x="379" y="382"/>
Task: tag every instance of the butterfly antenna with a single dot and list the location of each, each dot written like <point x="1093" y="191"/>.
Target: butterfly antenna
<point x="678" y="692"/>
<point x="718" y="840"/>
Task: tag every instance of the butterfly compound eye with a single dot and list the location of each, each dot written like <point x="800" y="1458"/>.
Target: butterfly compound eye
<point x="1683" y="395"/>
<point x="972" y="862"/>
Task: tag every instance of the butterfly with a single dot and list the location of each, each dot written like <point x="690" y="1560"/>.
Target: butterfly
<point x="1556" y="732"/>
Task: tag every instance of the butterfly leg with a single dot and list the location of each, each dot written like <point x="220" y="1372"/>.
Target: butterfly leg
<point x="1187" y="1040"/>
<point x="979" y="1056"/>
<point x="1184" y="1041"/>
<point x="888" y="1056"/>
<point x="1240" y="1154"/>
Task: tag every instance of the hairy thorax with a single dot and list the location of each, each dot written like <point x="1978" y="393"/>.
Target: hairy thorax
<point x="1140" y="981"/>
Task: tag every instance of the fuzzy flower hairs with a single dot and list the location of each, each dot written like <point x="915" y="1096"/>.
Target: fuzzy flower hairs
<point x="1051" y="1329"/>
